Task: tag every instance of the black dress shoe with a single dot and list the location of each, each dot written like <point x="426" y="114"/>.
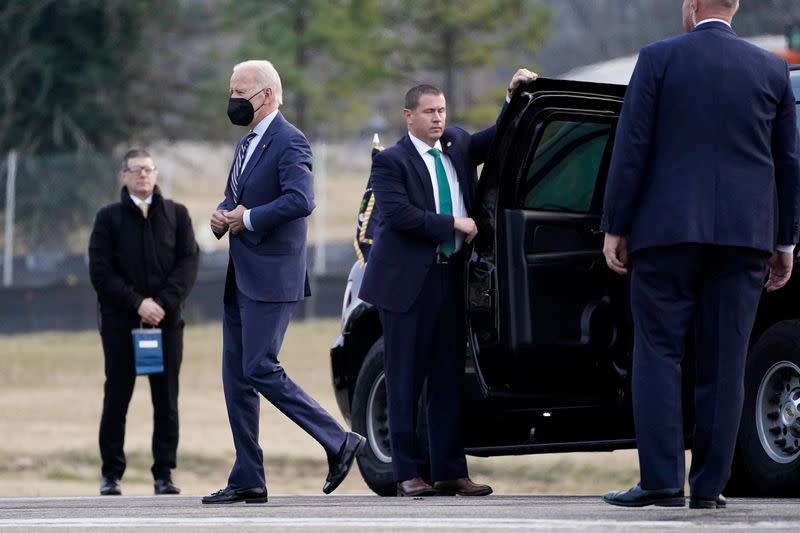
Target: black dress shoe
<point x="165" y="486"/>
<point x="339" y="466"/>
<point x="229" y="495"/>
<point x="109" y="486"/>
<point x="639" y="497"/>
<point x="696" y="502"/>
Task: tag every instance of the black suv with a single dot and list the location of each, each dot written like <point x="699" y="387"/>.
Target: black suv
<point x="550" y="336"/>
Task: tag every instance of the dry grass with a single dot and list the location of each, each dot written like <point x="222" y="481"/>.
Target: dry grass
<point x="51" y="394"/>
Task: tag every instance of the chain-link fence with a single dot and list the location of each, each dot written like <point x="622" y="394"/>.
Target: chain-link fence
<point x="55" y="200"/>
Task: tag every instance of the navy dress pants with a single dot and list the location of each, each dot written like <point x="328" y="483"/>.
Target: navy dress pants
<point x="716" y="289"/>
<point x="427" y="342"/>
<point x="252" y="336"/>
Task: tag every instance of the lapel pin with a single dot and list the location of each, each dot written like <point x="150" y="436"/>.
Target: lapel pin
<point x="449" y="144"/>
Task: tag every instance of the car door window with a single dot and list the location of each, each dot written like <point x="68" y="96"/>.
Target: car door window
<point x="563" y="171"/>
<point x="796" y="87"/>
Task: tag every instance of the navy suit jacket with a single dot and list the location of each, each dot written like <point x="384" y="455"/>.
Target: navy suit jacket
<point x="706" y="148"/>
<point x="410" y="229"/>
<point x="277" y="185"/>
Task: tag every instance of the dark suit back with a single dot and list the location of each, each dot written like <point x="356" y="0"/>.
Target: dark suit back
<point x="700" y="169"/>
<point x="410" y="229"/>
<point x="270" y="262"/>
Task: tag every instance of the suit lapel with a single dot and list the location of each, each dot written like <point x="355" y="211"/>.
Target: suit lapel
<point x="263" y="145"/>
<point x="422" y="172"/>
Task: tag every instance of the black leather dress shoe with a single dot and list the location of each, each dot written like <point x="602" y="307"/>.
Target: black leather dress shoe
<point x="229" y="495"/>
<point x="109" y="486"/>
<point x="165" y="486"/>
<point x="639" y="497"/>
<point x="339" y="466"/>
<point x="720" y="502"/>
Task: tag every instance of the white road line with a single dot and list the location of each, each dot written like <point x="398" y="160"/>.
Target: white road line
<point x="372" y="523"/>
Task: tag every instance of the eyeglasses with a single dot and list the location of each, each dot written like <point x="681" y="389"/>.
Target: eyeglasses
<point x="139" y="170"/>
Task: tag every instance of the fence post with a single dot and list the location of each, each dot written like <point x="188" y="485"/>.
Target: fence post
<point x="8" y="255"/>
<point x="320" y="259"/>
<point x="318" y="226"/>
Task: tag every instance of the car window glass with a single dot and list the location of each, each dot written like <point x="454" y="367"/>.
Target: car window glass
<point x="796" y="87"/>
<point x="564" y="169"/>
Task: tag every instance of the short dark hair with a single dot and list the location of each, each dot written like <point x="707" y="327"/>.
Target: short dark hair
<point x="413" y="95"/>
<point x="134" y="152"/>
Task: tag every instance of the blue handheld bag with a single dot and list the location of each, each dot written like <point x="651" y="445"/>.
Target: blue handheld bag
<point x="147" y="351"/>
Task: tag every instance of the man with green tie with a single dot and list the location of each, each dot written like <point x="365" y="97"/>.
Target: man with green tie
<point x="424" y="188"/>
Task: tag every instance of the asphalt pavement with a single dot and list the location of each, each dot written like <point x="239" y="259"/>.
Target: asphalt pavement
<point x="297" y="513"/>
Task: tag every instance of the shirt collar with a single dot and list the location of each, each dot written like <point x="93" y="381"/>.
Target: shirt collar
<point x="421" y="146"/>
<point x="728" y="24"/>
<point x="137" y="201"/>
<point x="262" y="126"/>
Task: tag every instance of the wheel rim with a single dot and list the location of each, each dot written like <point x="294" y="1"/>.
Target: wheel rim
<point x="378" y="421"/>
<point x="778" y="412"/>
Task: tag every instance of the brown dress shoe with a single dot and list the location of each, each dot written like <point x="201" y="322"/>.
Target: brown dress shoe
<point x="461" y="487"/>
<point x="414" y="487"/>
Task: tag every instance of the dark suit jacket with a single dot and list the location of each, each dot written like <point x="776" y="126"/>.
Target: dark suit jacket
<point x="132" y="258"/>
<point x="706" y="149"/>
<point x="410" y="229"/>
<point x="277" y="185"/>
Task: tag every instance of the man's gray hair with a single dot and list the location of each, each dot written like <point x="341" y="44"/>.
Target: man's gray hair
<point x="266" y="76"/>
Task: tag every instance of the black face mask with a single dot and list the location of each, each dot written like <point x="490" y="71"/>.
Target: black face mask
<point x="241" y="111"/>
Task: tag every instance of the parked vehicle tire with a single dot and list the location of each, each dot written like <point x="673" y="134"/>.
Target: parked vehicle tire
<point x="369" y="418"/>
<point x="767" y="460"/>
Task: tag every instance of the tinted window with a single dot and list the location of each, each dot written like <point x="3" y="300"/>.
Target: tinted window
<point x="796" y="86"/>
<point x="564" y="169"/>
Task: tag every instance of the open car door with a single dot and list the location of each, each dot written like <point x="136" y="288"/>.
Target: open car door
<point x="545" y="314"/>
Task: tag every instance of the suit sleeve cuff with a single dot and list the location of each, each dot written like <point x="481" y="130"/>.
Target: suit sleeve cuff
<point x="786" y="248"/>
<point x="247" y="223"/>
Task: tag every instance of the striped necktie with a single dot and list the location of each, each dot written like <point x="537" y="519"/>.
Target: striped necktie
<point x="238" y="163"/>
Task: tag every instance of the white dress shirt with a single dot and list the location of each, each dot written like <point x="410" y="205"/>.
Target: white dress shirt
<point x="137" y="201"/>
<point x="459" y="209"/>
<point x="728" y="24"/>
<point x="259" y="130"/>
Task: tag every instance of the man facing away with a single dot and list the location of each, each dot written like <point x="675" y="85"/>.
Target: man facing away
<point x="142" y="263"/>
<point x="268" y="196"/>
<point x="702" y="197"/>
<point x="424" y="187"/>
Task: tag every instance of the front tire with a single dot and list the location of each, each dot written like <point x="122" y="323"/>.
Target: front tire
<point x="767" y="461"/>
<point x="370" y="418"/>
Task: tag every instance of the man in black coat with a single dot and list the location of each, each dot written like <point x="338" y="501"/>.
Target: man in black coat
<point x="142" y="262"/>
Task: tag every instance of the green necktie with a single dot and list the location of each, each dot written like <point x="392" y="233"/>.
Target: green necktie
<point x="445" y="200"/>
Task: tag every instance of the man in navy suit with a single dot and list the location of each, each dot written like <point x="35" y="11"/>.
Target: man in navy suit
<point x="268" y="196"/>
<point x="424" y="188"/>
<point x="701" y="200"/>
